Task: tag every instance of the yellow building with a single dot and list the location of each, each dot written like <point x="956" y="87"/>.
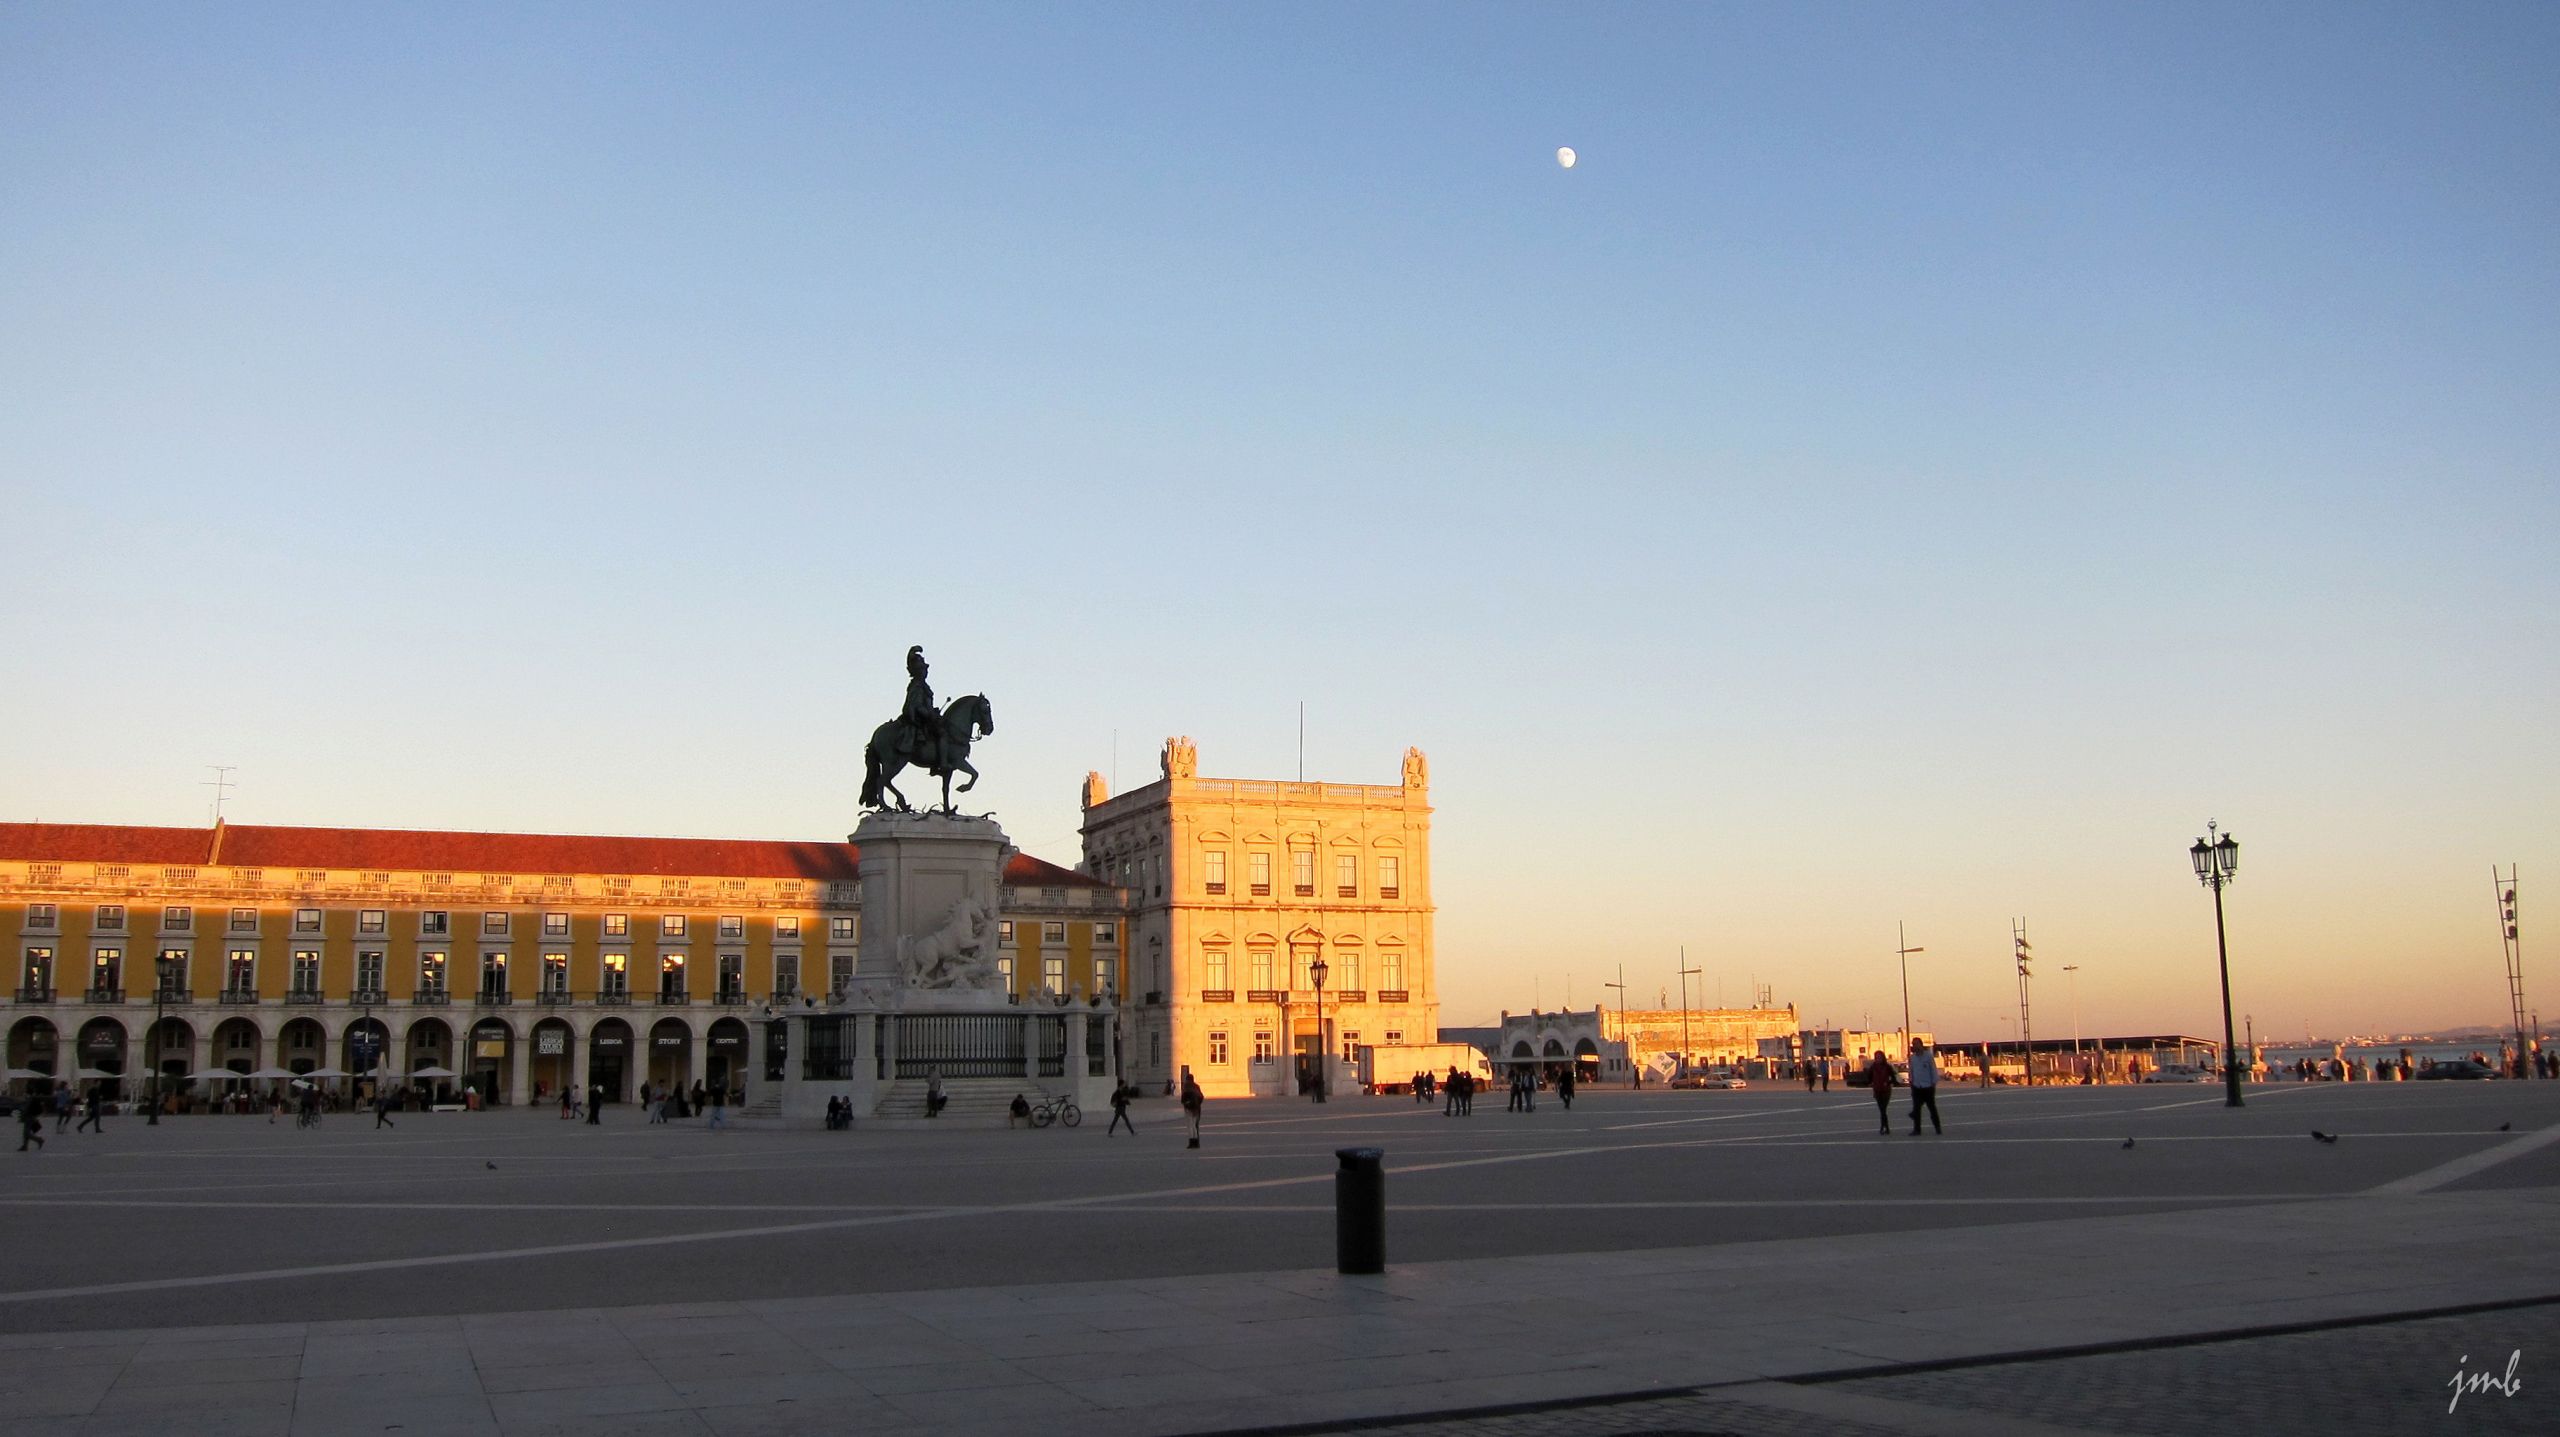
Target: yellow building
<point x="1239" y="889"/>
<point x="515" y="961"/>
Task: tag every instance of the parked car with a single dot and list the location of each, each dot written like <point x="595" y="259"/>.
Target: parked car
<point x="2180" y="1073"/>
<point x="2458" y="1068"/>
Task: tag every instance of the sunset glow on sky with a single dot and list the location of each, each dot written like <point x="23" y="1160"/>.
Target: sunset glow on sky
<point x="1919" y="467"/>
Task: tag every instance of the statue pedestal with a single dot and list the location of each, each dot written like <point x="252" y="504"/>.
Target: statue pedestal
<point x="927" y="995"/>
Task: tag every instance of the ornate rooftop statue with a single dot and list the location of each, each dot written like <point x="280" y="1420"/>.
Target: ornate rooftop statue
<point x="919" y="737"/>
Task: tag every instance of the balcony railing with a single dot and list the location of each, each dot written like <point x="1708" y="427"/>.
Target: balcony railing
<point x="431" y="998"/>
<point x="672" y="998"/>
<point x="730" y="998"/>
<point x="30" y="993"/>
<point x="304" y="997"/>
<point x="554" y="998"/>
<point x="239" y="997"/>
<point x="615" y="1000"/>
<point x="495" y="998"/>
<point x="106" y="995"/>
<point x="372" y="997"/>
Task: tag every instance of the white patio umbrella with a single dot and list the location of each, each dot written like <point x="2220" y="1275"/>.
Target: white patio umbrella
<point x="432" y="1071"/>
<point x="94" y="1073"/>
<point x="212" y="1075"/>
<point x="11" y="1075"/>
<point x="272" y="1073"/>
<point x="328" y="1073"/>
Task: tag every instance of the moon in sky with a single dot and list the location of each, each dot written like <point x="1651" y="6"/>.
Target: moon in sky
<point x="1565" y="156"/>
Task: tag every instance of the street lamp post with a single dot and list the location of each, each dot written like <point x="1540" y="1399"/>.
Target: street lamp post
<point x="2071" y="977"/>
<point x="1902" y="952"/>
<point x="1686" y="973"/>
<point x="159" y="1035"/>
<point x="1324" y="1045"/>
<point x="1626" y="1035"/>
<point x="2217" y="862"/>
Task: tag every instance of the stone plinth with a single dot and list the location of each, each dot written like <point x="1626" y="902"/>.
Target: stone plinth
<point x="931" y="887"/>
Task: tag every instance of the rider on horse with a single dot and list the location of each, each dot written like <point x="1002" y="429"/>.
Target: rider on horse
<point x="923" y="721"/>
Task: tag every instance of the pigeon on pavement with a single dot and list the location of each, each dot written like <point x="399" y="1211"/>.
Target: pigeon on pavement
<point x="2128" y="1142"/>
<point x="2324" y="1137"/>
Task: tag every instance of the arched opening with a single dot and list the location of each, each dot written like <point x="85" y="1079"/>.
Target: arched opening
<point x="430" y="1063"/>
<point x="554" y="1048"/>
<point x="492" y="1055"/>
<point x="670" y="1055"/>
<point x="1586" y="1061"/>
<point x="366" y="1047"/>
<point x="34" y="1047"/>
<point x="168" y="1050"/>
<point x="101" y="1052"/>
<point x="725" y="1055"/>
<point x="235" y="1050"/>
<point x="610" y="1059"/>
<point x="301" y="1046"/>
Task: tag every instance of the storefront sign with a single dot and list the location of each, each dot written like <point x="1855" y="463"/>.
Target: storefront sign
<point x="551" y="1042"/>
<point x="488" y="1048"/>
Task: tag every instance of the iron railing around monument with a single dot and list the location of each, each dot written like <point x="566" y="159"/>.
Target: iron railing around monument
<point x="960" y="1045"/>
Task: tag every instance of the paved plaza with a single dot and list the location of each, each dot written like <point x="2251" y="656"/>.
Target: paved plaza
<point x="1643" y="1257"/>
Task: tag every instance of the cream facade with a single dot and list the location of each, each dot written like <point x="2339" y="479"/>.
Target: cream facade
<point x="519" y="962"/>
<point x="1237" y="889"/>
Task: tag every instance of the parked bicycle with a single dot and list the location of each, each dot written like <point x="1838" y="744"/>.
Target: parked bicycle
<point x="1061" y="1110"/>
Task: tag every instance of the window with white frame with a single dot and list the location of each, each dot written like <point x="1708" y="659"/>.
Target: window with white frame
<point x="1395" y="1038"/>
<point x="42" y="916"/>
<point x="787" y="926"/>
<point x="1004" y="971"/>
<point x="493" y="973"/>
<point x="493" y="925"/>
<point x="369" y="970"/>
<point x="617" y="925"/>
<point x="1053" y="972"/>
<point x="1302" y="871"/>
<point x="431" y="970"/>
<point x="306" y="920"/>
<point x="1053" y="933"/>
<point x="1350" y="1046"/>
<point x="172" y="974"/>
<point x="244" y="920"/>
<point x="1213" y="870"/>
<point x="306" y="971"/>
<point x="1004" y="930"/>
<point x="1106" y="975"/>
<point x="733" y="975"/>
<point x="840" y="972"/>
<point x="1346" y="875"/>
<point x="786" y="975"/>
<point x="1213" y="969"/>
<point x="1262" y="975"/>
<point x="840" y="930"/>
<point x="555" y="925"/>
<point x="671" y="925"/>
<point x="106" y="970"/>
<point x="616" y="974"/>
<point x="732" y="926"/>
<point x="435" y="923"/>
<point x="240" y="971"/>
<point x="1106" y="935"/>
<point x="110" y="918"/>
<point x="372" y="920"/>
<point x="1391" y="969"/>
<point x="555" y="971"/>
<point x="1217" y="1047"/>
<point x="36" y="974"/>
<point x="1390" y="876"/>
<point x="670" y="975"/>
<point x="1346" y="970"/>
<point x="1258" y="873"/>
<point x="1262" y="1045"/>
<point x="177" y="920"/>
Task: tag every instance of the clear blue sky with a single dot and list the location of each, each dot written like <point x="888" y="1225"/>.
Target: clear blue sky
<point x="1920" y="464"/>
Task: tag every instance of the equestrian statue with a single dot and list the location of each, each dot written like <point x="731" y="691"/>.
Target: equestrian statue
<point x="920" y="737"/>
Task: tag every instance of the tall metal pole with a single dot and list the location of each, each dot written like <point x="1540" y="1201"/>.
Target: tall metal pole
<point x="159" y="995"/>
<point x="1685" y="972"/>
<point x="2026" y="1027"/>
<point x="2071" y="977"/>
<point x="2222" y="947"/>
<point x="1626" y="1035"/>
<point x="1903" y="951"/>
<point x="2514" y="947"/>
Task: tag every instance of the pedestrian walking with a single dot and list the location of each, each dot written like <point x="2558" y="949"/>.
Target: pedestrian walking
<point x="934" y="1099"/>
<point x="719" y="1107"/>
<point x="1880" y="1081"/>
<point x="1120" y="1111"/>
<point x="382" y="1111"/>
<point x="1449" y="1105"/>
<point x="1825" y="1065"/>
<point x="568" y="1103"/>
<point x="31" y="1124"/>
<point x="1466" y="1095"/>
<point x="595" y="1106"/>
<point x="1564" y="1088"/>
<point x="97" y="1111"/>
<point x="1808" y="1075"/>
<point x="1924" y="1088"/>
<point x="1193" y="1100"/>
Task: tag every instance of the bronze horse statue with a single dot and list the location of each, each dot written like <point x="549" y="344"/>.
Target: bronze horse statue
<point x="893" y="750"/>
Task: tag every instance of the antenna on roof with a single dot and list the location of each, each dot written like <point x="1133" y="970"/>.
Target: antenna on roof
<point x="1302" y="740"/>
<point x="221" y="785"/>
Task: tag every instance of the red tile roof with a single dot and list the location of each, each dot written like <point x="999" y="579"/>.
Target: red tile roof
<point x="434" y="851"/>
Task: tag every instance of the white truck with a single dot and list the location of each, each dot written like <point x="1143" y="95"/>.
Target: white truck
<point x="1385" y="1069"/>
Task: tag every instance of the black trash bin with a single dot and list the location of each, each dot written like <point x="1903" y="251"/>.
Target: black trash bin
<point x="1360" y="1211"/>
